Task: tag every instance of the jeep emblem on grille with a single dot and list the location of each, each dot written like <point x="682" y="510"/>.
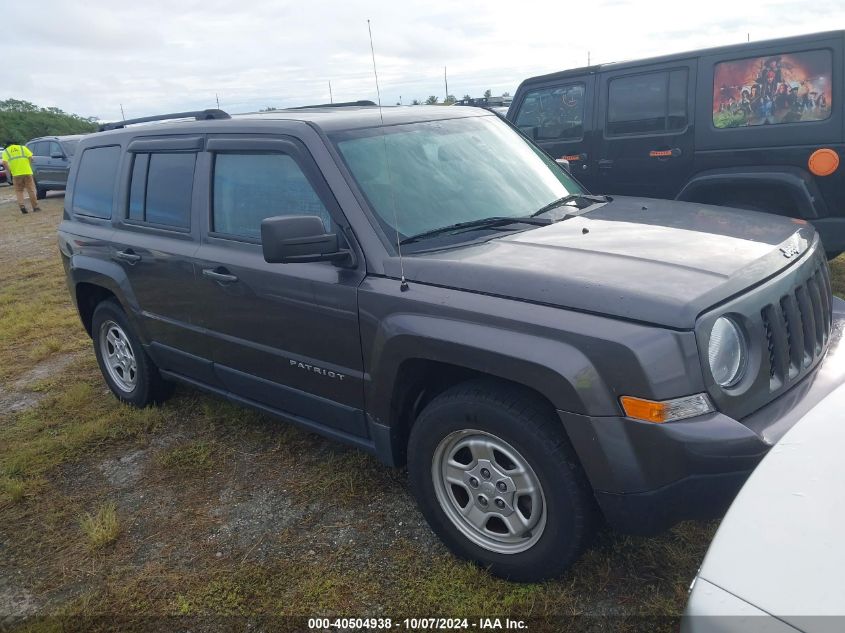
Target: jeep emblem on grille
<point x="790" y="250"/>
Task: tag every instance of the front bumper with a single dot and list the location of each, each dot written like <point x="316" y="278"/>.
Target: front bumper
<point x="647" y="477"/>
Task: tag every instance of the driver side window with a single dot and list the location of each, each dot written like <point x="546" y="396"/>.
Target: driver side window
<point x="555" y="113"/>
<point x="249" y="187"/>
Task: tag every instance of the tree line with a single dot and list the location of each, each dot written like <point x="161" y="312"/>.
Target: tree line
<point x="21" y="121"/>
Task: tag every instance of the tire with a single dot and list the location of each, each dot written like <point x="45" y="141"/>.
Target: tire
<point x="831" y="255"/>
<point x="129" y="372"/>
<point x="517" y="429"/>
<point x="40" y="193"/>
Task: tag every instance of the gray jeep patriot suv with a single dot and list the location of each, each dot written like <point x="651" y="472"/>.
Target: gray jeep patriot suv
<point x="429" y="286"/>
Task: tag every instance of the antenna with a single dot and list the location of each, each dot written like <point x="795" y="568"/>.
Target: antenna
<point x="331" y="97"/>
<point x="403" y="286"/>
<point x="446" y="81"/>
<point x="122" y="116"/>
<point x="217" y="97"/>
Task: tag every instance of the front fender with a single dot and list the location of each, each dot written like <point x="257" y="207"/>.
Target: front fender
<point x="557" y="370"/>
<point x="580" y="362"/>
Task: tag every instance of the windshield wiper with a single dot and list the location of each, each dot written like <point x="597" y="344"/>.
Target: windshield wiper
<point x="571" y="197"/>
<point x="483" y="223"/>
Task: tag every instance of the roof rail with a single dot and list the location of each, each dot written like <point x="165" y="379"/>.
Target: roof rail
<point x="199" y="115"/>
<point x="344" y="104"/>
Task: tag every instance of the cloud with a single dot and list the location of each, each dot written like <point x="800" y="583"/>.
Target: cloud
<point x="162" y="55"/>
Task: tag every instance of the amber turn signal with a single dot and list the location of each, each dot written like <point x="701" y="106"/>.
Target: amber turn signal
<point x="666" y="410"/>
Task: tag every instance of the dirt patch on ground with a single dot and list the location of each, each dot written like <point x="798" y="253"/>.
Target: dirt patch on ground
<point x="25" y="392"/>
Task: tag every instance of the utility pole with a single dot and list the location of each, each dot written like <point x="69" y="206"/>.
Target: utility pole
<point x="445" y="81"/>
<point x="331" y="97"/>
<point x="122" y="116"/>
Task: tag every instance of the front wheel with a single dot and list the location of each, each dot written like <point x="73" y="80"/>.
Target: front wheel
<point x="498" y="482"/>
<point x="129" y="372"/>
<point x="40" y="193"/>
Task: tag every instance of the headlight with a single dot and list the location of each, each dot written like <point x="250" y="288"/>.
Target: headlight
<point x="727" y="353"/>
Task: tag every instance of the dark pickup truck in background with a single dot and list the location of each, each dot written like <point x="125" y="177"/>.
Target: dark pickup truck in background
<point x="539" y="358"/>
<point x="756" y="126"/>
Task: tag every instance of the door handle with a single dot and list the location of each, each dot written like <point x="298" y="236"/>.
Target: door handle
<point x="221" y="276"/>
<point x="665" y="154"/>
<point x="605" y="163"/>
<point x="129" y="256"/>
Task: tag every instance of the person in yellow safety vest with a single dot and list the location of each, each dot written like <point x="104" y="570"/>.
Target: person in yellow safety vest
<point x="18" y="161"/>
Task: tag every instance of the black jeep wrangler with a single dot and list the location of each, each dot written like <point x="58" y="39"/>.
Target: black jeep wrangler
<point x="757" y="126"/>
<point x="426" y="285"/>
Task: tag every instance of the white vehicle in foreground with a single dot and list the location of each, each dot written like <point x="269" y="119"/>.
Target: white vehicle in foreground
<point x="777" y="563"/>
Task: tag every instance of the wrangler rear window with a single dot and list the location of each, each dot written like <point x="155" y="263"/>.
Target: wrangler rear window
<point x="775" y="89"/>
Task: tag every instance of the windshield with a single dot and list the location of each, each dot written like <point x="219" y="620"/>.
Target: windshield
<point x="446" y="172"/>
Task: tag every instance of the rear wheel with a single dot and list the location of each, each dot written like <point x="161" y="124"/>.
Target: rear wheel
<point x="129" y="372"/>
<point x="498" y="482"/>
<point x="40" y="193"/>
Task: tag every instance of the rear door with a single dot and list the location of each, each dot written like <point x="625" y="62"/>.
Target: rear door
<point x="559" y="117"/>
<point x="646" y="120"/>
<point x="155" y="242"/>
<point x="284" y="335"/>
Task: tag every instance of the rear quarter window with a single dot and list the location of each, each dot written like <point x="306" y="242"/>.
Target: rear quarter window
<point x="93" y="193"/>
<point x="772" y="90"/>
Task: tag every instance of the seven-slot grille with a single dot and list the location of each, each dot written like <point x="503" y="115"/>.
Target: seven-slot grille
<point x="798" y="326"/>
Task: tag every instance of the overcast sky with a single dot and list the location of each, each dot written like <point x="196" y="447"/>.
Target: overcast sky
<point x="172" y="55"/>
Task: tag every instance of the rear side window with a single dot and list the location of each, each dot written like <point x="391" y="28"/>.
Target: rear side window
<point x="161" y="188"/>
<point x="555" y="113"/>
<point x="788" y="88"/>
<point x="93" y="193"/>
<point x="652" y="103"/>
<point x="249" y="187"/>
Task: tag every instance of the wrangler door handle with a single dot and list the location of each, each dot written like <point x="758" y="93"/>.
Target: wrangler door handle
<point x="219" y="275"/>
<point x="665" y="154"/>
<point x="605" y="163"/>
<point x="129" y="256"/>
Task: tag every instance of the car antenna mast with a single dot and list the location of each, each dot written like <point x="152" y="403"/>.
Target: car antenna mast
<point x="403" y="286"/>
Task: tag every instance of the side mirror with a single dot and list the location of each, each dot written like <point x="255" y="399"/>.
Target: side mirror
<point x="563" y="163"/>
<point x="56" y="155"/>
<point x="289" y="239"/>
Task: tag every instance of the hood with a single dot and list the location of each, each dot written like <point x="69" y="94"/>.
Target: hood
<point x="656" y="261"/>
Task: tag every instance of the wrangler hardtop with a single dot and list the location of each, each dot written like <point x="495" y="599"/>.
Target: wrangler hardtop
<point x="429" y="286"/>
<point x="755" y="125"/>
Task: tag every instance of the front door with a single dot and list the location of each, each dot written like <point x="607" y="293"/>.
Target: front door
<point x="41" y="162"/>
<point x="559" y="118"/>
<point x="284" y="335"/>
<point x="646" y="130"/>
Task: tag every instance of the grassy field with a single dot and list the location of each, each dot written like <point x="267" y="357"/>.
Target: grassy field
<point x="216" y="515"/>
